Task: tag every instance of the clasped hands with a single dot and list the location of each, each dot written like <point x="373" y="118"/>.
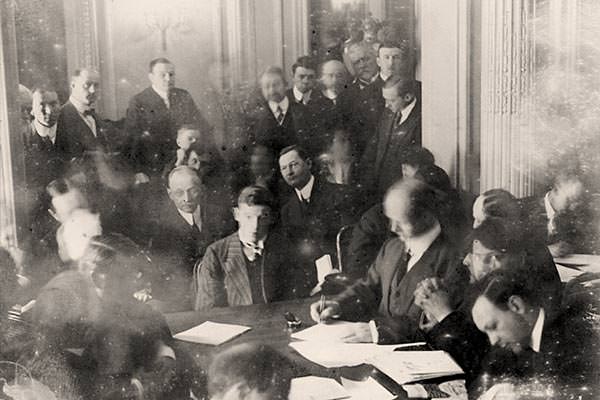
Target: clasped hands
<point x="325" y="312"/>
<point x="433" y="298"/>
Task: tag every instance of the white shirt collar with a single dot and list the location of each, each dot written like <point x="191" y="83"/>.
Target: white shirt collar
<point x="190" y="218"/>
<point x="330" y="94"/>
<point x="79" y="105"/>
<point x="536" y="333"/>
<point x="299" y="96"/>
<point x="384" y="78"/>
<point x="407" y="110"/>
<point x="306" y="191"/>
<point x="259" y="243"/>
<point x="284" y="104"/>
<point x="45" y="131"/>
<point x="550" y="212"/>
<point x="417" y="246"/>
<point x="164" y="95"/>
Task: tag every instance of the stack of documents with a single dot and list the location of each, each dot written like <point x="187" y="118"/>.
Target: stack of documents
<point x="212" y="333"/>
<point x="573" y="265"/>
<point x="411" y="366"/>
<point x="317" y="388"/>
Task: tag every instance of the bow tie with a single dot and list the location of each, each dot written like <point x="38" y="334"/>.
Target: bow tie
<point x="89" y="112"/>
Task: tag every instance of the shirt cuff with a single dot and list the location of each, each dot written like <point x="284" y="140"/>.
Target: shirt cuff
<point x="138" y="386"/>
<point x="374" y="332"/>
<point x="166" y="351"/>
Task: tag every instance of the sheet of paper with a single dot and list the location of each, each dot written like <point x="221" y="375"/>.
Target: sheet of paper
<point x="366" y="390"/>
<point x="330" y="332"/>
<point x="335" y="355"/>
<point x="317" y="388"/>
<point x="566" y="273"/>
<point x="324" y="267"/>
<point x="212" y="333"/>
<point x="578" y="259"/>
<point x="410" y="366"/>
<point x="415" y="391"/>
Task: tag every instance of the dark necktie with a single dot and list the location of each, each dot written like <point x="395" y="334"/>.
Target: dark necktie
<point x="280" y="115"/>
<point x="397" y="118"/>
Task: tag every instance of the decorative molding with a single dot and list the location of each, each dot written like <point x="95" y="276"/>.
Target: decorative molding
<point x="81" y="34"/>
<point x="12" y="176"/>
<point x="507" y="69"/>
<point x="445" y="54"/>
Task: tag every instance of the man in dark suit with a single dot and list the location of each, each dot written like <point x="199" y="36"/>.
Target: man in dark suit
<point x="561" y="350"/>
<point x="184" y="229"/>
<point x="559" y="218"/>
<point x="399" y="128"/>
<point x="364" y="94"/>
<point x="329" y="108"/>
<point x="304" y="72"/>
<point x="248" y="266"/>
<point x="42" y="158"/>
<point x="384" y="297"/>
<point x="153" y="118"/>
<point x="315" y="212"/>
<point x="78" y="129"/>
<point x="275" y="121"/>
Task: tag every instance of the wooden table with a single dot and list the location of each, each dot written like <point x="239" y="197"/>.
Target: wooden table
<point x="269" y="326"/>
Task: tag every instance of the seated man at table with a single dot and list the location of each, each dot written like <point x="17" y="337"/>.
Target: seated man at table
<point x="385" y="295"/>
<point x="250" y="371"/>
<point x="561" y="352"/>
<point x="248" y="266"/>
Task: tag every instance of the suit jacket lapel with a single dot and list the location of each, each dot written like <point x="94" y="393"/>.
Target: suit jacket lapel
<point x="236" y="272"/>
<point x="385" y="131"/>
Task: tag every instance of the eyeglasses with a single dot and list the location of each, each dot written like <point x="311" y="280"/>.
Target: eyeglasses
<point x="487" y="257"/>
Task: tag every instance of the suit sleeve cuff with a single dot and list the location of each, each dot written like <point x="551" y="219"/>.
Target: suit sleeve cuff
<point x="374" y="332"/>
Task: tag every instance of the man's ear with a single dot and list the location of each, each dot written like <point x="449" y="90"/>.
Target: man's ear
<point x="309" y="163"/>
<point x="516" y="304"/>
<point x="236" y="213"/>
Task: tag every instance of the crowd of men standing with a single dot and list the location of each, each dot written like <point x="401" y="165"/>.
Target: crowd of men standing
<point x="148" y="215"/>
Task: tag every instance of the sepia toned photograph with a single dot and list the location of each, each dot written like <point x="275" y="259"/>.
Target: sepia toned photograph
<point x="299" y="199"/>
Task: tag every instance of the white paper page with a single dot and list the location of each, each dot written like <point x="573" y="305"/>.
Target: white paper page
<point x="316" y="388"/>
<point x="578" y="259"/>
<point x="415" y="391"/>
<point x="324" y="267"/>
<point x="335" y="355"/>
<point x="566" y="274"/>
<point x="330" y="332"/>
<point x="366" y="390"/>
<point x="410" y="366"/>
<point x="212" y="333"/>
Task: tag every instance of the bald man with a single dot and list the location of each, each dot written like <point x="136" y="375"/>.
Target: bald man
<point x="329" y="109"/>
<point x="419" y="250"/>
<point x="79" y="129"/>
<point x="185" y="226"/>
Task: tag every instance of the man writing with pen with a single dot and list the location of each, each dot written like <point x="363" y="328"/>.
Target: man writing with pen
<point x="383" y="301"/>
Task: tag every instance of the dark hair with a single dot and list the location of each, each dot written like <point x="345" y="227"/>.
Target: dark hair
<point x="435" y="177"/>
<point x="57" y="187"/>
<point x="258" y="366"/>
<point x="307" y="62"/>
<point x="160" y="60"/>
<point x="423" y="201"/>
<point x="256" y="196"/>
<point x="298" y="149"/>
<point x="498" y="286"/>
<point x="500" y="203"/>
<point x="417" y="156"/>
<point x="499" y="235"/>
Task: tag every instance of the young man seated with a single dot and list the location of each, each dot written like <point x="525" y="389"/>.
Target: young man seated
<point x="250" y="371"/>
<point x="560" y="352"/>
<point x="250" y="266"/>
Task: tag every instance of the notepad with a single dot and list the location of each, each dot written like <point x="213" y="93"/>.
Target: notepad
<point x="212" y="333"/>
<point x="578" y="259"/>
<point x="366" y="390"/>
<point x="330" y="332"/>
<point x="411" y="366"/>
<point x="317" y="388"/>
<point x="567" y="273"/>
